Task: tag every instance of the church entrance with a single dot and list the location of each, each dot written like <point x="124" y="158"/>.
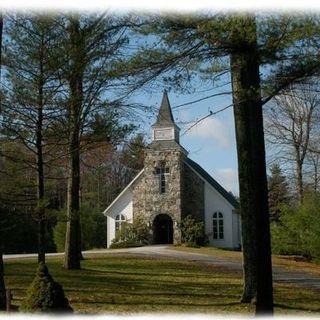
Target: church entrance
<point x="162" y="229"/>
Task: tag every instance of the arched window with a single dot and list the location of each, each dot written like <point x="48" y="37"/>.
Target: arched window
<point x="217" y="224"/>
<point x="120" y="218"/>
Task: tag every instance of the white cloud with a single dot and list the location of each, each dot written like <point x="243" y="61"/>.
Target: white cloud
<point x="228" y="178"/>
<point x="212" y="128"/>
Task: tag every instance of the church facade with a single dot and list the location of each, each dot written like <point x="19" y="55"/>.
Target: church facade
<point x="170" y="187"/>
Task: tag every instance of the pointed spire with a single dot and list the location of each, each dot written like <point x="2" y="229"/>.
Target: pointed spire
<point x="165" y="116"/>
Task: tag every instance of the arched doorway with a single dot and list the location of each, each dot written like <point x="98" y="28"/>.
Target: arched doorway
<point x="162" y="229"/>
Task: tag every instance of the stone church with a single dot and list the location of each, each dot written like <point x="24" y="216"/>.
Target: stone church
<point x="172" y="186"/>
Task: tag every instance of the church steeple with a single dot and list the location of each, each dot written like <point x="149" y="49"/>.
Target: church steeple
<point x="165" y="116"/>
<point x="165" y="128"/>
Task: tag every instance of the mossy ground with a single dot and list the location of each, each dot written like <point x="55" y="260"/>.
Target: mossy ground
<point x="128" y="284"/>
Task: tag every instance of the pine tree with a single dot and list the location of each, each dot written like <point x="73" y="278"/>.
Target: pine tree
<point x="132" y="154"/>
<point x="75" y="81"/>
<point x="252" y="168"/>
<point x="92" y="49"/>
<point x="31" y="105"/>
<point x="278" y="192"/>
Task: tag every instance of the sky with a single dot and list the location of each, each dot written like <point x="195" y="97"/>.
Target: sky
<point x="211" y="143"/>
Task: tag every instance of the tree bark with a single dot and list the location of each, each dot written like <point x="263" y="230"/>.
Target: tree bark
<point x="2" y="284"/>
<point x="73" y="233"/>
<point x="72" y="248"/>
<point x="40" y="172"/>
<point x="252" y="167"/>
<point x="40" y="195"/>
<point x="299" y="165"/>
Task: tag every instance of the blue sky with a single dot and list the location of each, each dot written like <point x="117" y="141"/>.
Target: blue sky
<point x="211" y="143"/>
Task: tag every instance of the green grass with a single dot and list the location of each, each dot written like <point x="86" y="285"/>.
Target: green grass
<point x="279" y="261"/>
<point x="210" y="251"/>
<point x="127" y="284"/>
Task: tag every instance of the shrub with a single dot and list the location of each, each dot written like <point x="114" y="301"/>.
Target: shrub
<point x="297" y="232"/>
<point x="132" y="234"/>
<point x="45" y="294"/>
<point x="125" y="244"/>
<point x="59" y="235"/>
<point x="193" y="232"/>
<point x="93" y="226"/>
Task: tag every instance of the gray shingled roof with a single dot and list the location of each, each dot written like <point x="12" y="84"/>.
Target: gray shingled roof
<point x="165" y="116"/>
<point x="227" y="195"/>
<point x="166" y="145"/>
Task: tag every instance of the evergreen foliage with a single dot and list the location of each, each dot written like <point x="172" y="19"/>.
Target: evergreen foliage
<point x="93" y="229"/>
<point x="132" y="234"/>
<point x="132" y="154"/>
<point x="31" y="106"/>
<point x="59" y="235"/>
<point x="125" y="244"/>
<point x="297" y="232"/>
<point x="193" y="232"/>
<point x="92" y="49"/>
<point x="278" y="192"/>
<point x="45" y="294"/>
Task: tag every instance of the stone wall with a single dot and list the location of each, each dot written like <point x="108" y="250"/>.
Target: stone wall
<point x="192" y="195"/>
<point x="147" y="199"/>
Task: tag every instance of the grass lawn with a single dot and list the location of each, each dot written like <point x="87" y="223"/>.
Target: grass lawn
<point x="127" y="284"/>
<point x="279" y="261"/>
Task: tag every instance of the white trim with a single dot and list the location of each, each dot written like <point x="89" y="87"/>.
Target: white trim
<point x="122" y="192"/>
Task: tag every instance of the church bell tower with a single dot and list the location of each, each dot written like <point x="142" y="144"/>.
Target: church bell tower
<point x="158" y="196"/>
<point x="165" y="128"/>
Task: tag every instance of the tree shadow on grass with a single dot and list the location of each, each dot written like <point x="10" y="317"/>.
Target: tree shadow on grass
<point x="296" y="308"/>
<point x="171" y="304"/>
<point x="135" y="273"/>
<point x="164" y="308"/>
<point x="92" y="282"/>
<point x="131" y="292"/>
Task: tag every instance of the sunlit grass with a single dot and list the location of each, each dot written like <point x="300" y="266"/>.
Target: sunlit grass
<point x="278" y="261"/>
<point x="128" y="284"/>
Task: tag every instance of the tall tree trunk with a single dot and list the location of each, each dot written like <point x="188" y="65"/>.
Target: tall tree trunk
<point x="2" y="284"/>
<point x="72" y="247"/>
<point x="73" y="234"/>
<point x="315" y="175"/>
<point x="40" y="193"/>
<point x="252" y="167"/>
<point x="299" y="165"/>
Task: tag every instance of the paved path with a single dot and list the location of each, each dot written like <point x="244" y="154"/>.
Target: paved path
<point x="298" y="278"/>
